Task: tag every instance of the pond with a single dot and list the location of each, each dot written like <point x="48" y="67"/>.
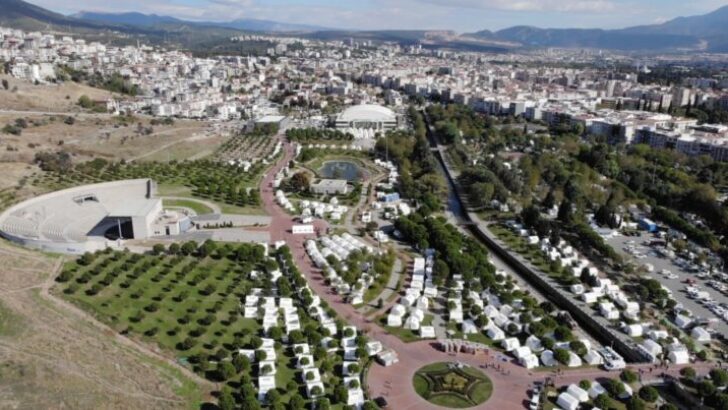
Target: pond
<point x="341" y="170"/>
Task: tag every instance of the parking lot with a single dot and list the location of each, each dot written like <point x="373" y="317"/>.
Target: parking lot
<point x="668" y="270"/>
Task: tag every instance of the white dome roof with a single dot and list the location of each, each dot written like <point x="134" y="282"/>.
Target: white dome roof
<point x="367" y="112"/>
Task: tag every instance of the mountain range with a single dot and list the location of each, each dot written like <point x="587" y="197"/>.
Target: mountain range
<point x="150" y="20"/>
<point x="707" y="32"/>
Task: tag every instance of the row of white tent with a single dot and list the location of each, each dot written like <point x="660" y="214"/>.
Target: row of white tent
<point x="416" y="300"/>
<point x="393" y="174"/>
<point x="268" y="308"/>
<point x="319" y="209"/>
<point x="284" y="201"/>
<point x="619" y="304"/>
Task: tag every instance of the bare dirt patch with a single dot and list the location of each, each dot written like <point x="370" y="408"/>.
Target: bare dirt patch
<point x="26" y="96"/>
<point x="99" y="135"/>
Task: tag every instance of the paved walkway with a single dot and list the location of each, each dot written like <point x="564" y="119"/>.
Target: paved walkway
<point x="510" y="381"/>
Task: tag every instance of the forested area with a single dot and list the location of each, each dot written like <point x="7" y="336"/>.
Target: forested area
<point x="410" y="151"/>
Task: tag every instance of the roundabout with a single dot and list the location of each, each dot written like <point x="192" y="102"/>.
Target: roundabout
<point x="452" y="385"/>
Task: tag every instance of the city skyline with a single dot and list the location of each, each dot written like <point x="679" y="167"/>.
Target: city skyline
<point x="458" y="15"/>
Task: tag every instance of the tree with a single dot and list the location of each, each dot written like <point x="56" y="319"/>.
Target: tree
<point x="174" y="249"/>
<point x="585" y="384"/>
<point x="241" y="363"/>
<point x="85" y="102"/>
<point x="341" y="395"/>
<point x="273" y="396"/>
<point x="635" y="403"/>
<point x="706" y="388"/>
<point x="188" y="248"/>
<point x="225" y="371"/>
<point x="688" y="373"/>
<point x="297" y="402"/>
<point x="323" y="404"/>
<point x="158" y="249"/>
<point x="649" y="394"/>
<point x="226" y="400"/>
<point x="719" y="377"/>
<point x="615" y="387"/>
<point x="300" y="182"/>
<point x="562" y="356"/>
<point x="602" y="401"/>
<point x="628" y="376"/>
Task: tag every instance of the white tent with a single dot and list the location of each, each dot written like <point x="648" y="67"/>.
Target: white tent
<point x="468" y="327"/>
<point x="529" y="362"/>
<point x="567" y="401"/>
<point x="412" y="323"/>
<point x="574" y="360"/>
<point x="593" y="358"/>
<point x="510" y="344"/>
<point x="679" y="356"/>
<point x="427" y="332"/>
<point x="495" y="334"/>
<point x="521" y="352"/>
<point x="394" y="320"/>
<point x="547" y="358"/>
<point x="534" y="343"/>
<point x="579" y="393"/>
<point x="700" y="335"/>
<point x="596" y="389"/>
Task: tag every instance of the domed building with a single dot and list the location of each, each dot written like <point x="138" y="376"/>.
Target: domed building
<point x="367" y="117"/>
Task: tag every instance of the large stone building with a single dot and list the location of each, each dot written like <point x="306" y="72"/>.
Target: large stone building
<point x="367" y="116"/>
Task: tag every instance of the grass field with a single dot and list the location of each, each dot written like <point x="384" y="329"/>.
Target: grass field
<point x="444" y="386"/>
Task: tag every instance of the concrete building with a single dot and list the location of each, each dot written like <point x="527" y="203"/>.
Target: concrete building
<point x="367" y="116"/>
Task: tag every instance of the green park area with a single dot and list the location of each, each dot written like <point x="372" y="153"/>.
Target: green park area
<point x="452" y="385"/>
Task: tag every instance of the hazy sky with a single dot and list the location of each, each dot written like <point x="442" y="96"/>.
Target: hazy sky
<point x="458" y="15"/>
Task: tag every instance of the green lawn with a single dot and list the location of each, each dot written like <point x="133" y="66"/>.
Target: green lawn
<point x="198" y="207"/>
<point x="429" y="382"/>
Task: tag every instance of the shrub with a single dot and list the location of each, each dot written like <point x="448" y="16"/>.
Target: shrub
<point x="629" y="376"/>
<point x="649" y="394"/>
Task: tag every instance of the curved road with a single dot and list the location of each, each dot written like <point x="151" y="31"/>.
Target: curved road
<point x="510" y="381"/>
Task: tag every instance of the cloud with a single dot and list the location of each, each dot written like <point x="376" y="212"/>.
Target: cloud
<point x="577" y="6"/>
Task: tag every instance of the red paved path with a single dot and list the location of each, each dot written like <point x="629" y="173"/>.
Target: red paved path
<point x="510" y="383"/>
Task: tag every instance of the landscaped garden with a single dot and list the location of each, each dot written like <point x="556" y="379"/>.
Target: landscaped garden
<point x="452" y="385"/>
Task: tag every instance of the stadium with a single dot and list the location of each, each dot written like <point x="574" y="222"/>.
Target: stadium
<point x="367" y="117"/>
<point x="90" y="217"/>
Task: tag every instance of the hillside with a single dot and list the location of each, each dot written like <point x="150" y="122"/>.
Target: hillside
<point x="26" y="16"/>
